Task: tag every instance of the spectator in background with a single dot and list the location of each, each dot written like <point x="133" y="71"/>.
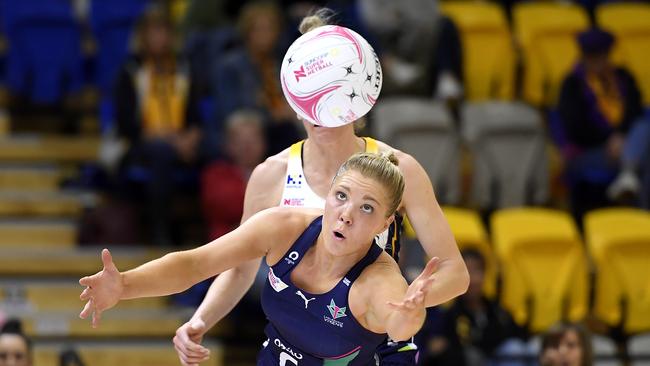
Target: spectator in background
<point x="15" y="347"/>
<point x="600" y="107"/>
<point x="156" y="111"/>
<point x="475" y="328"/>
<point x="223" y="183"/>
<point x="419" y="47"/>
<point x="249" y="76"/>
<point x="566" y="345"/>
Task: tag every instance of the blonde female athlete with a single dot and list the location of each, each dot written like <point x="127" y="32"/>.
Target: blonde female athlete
<point x="328" y="280"/>
<point x="301" y="176"/>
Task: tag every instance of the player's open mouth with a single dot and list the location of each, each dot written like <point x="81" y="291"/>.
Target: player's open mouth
<point x="339" y="235"/>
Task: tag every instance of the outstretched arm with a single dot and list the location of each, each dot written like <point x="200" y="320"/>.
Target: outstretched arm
<point x="434" y="233"/>
<point x="177" y="271"/>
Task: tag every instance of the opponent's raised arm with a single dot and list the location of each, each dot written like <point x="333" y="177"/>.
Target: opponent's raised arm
<point x="433" y="232"/>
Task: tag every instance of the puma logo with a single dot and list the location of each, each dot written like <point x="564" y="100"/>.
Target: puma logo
<point x="299" y="293"/>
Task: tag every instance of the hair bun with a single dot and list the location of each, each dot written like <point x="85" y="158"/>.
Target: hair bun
<point x="318" y="18"/>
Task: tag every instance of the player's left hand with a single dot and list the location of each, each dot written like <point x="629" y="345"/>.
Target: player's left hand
<point x="417" y="291"/>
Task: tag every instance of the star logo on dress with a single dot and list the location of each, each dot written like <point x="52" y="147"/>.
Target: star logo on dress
<point x="336" y="311"/>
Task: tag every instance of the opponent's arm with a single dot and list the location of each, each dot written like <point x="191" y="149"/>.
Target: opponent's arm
<point x="433" y="232"/>
<point x="230" y="286"/>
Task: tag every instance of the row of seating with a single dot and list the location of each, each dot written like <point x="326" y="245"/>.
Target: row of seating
<point x="506" y="140"/>
<point x="542" y="41"/>
<point x="544" y="264"/>
<point x="45" y="40"/>
<point x="138" y="353"/>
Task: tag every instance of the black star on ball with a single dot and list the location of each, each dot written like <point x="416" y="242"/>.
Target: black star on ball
<point x="352" y="95"/>
<point x="348" y="70"/>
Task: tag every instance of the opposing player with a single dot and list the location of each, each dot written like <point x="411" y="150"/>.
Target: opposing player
<point x="327" y="279"/>
<point x="301" y="176"/>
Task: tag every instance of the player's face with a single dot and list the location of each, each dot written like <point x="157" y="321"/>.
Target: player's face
<point x="355" y="211"/>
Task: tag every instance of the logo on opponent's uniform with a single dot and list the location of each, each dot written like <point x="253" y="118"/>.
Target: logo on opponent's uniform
<point x="294" y="181"/>
<point x="293" y="202"/>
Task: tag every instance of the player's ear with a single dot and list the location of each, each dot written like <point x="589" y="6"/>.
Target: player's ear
<point x="388" y="222"/>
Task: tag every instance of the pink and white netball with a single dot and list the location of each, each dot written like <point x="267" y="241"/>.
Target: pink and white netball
<point x="331" y="76"/>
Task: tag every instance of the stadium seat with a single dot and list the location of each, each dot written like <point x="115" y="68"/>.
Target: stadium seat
<point x="489" y="61"/>
<point x="546" y="33"/>
<point x="628" y="21"/>
<point x="605" y="351"/>
<point x="619" y="242"/>
<point x="508" y="149"/>
<point x="44" y="59"/>
<point x="112" y="23"/>
<point x="639" y="346"/>
<point x="424" y="129"/>
<point x="469" y="232"/>
<point x="543" y="266"/>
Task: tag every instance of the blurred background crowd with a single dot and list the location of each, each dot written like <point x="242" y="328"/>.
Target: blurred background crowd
<point x="135" y="124"/>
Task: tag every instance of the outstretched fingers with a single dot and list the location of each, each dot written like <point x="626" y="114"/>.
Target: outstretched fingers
<point x="97" y="317"/>
<point x="87" y="310"/>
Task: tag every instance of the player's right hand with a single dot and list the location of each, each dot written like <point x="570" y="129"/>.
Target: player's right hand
<point x="187" y="343"/>
<point x="103" y="290"/>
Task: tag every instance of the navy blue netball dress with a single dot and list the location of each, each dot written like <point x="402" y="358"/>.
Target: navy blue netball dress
<point x="307" y="329"/>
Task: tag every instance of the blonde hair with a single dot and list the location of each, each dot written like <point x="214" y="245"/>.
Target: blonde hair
<point x="382" y="168"/>
<point x="315" y="19"/>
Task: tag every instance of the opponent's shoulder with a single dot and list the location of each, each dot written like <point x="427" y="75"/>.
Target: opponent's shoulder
<point x="269" y="174"/>
<point x="272" y="168"/>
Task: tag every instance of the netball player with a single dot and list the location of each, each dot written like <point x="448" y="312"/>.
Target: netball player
<point x="332" y="295"/>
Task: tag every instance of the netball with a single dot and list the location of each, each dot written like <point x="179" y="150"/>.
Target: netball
<point x="331" y="76"/>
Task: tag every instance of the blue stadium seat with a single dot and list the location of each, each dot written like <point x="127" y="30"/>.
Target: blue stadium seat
<point x="112" y="23"/>
<point x="44" y="56"/>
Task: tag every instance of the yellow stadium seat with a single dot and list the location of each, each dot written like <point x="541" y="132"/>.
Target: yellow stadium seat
<point x="469" y="232"/>
<point x="489" y="61"/>
<point x="619" y="242"/>
<point x="630" y="23"/>
<point x="543" y="266"/>
<point x="546" y="32"/>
